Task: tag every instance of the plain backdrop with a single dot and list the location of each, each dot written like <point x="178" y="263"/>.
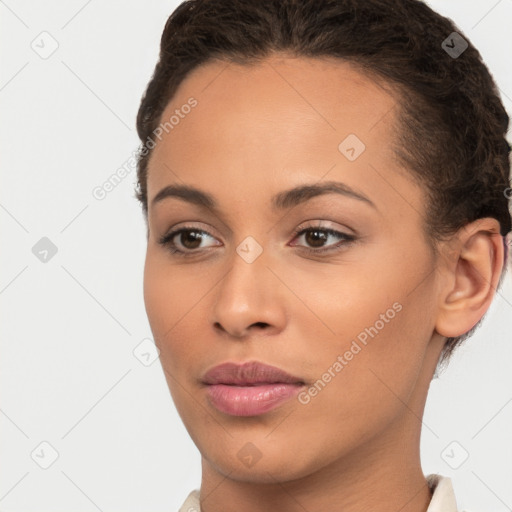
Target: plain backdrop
<point x="78" y="393"/>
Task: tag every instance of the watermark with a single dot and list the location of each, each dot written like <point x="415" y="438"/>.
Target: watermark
<point x="44" y="455"/>
<point x="304" y="397"/>
<point x="249" y="454"/>
<point x="100" y="192"/>
<point x="249" y="249"/>
<point x="45" y="45"/>
<point x="351" y="147"/>
<point x="146" y="352"/>
<point x="44" y="250"/>
<point x="455" y="455"/>
<point x="454" y="45"/>
<point x="166" y="127"/>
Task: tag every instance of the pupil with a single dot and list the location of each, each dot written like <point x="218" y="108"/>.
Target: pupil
<point x="316" y="238"/>
<point x="193" y="236"/>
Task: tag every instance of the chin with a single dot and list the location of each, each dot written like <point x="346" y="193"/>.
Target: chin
<point x="267" y="470"/>
<point x="261" y="461"/>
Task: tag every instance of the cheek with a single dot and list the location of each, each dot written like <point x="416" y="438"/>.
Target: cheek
<point x="157" y="298"/>
<point x="361" y="393"/>
<point x="372" y="355"/>
<point x="340" y="303"/>
<point x="175" y="298"/>
<point x="169" y="291"/>
<point x="164" y="300"/>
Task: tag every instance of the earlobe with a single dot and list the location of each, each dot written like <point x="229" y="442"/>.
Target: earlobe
<point x="470" y="276"/>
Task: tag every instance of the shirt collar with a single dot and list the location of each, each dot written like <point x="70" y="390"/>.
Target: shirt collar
<point x="443" y="497"/>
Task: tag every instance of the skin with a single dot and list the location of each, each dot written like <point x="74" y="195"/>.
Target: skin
<point x="256" y="131"/>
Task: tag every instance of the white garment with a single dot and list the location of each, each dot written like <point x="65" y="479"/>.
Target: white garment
<point x="443" y="497"/>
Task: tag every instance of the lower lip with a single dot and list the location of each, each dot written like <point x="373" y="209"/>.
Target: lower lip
<point x="250" y="400"/>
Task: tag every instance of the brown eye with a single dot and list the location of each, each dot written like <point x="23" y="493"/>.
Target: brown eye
<point x="190" y="239"/>
<point x="185" y="240"/>
<point x="316" y="237"/>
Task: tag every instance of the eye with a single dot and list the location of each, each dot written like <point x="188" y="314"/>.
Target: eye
<point x="317" y="236"/>
<point x="189" y="239"/>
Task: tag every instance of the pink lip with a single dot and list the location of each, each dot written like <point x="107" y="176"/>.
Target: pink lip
<point x="249" y="389"/>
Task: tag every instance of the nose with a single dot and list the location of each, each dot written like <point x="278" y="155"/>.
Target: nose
<point x="249" y="299"/>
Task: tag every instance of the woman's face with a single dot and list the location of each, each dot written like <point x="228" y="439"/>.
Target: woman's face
<point x="350" y="312"/>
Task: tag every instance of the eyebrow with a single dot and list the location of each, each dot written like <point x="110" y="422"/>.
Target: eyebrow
<point x="280" y="201"/>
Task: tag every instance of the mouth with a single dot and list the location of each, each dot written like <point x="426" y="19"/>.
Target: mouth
<point x="249" y="389"/>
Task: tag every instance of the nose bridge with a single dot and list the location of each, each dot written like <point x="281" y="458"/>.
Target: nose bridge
<point x="249" y="292"/>
<point x="244" y="285"/>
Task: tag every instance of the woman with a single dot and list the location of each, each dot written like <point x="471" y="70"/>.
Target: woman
<point x="324" y="184"/>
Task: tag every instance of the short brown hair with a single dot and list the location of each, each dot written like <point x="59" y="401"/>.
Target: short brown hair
<point x="452" y="122"/>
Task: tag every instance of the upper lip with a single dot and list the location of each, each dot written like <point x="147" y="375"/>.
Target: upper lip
<point x="248" y="374"/>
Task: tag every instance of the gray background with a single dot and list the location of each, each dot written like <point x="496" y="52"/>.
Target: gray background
<point x="72" y="371"/>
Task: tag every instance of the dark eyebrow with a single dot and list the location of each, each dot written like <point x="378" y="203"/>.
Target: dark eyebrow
<point x="303" y="193"/>
<point x="280" y="201"/>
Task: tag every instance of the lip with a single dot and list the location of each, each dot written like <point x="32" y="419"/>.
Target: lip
<point x="247" y="374"/>
<point x="249" y="389"/>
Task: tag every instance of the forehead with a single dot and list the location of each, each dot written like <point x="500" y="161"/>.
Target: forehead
<point x="283" y="119"/>
<point x="311" y="93"/>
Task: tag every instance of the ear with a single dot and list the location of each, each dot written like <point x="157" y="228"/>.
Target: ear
<point x="470" y="265"/>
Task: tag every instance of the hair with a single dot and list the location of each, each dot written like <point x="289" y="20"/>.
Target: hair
<point x="451" y="123"/>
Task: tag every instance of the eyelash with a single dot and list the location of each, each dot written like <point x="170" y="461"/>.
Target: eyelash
<point x="166" y="240"/>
